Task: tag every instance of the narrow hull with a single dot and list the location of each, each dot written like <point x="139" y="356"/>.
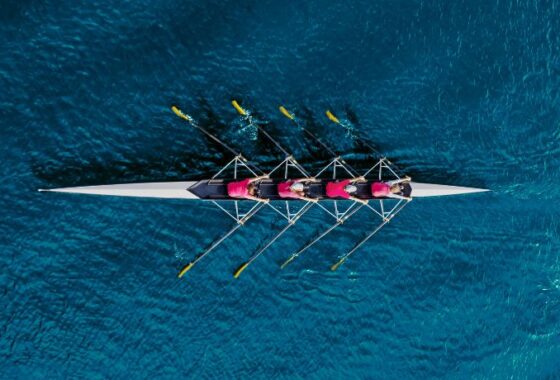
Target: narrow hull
<point x="180" y="190"/>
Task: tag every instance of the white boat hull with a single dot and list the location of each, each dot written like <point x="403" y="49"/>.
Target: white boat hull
<point x="176" y="190"/>
<point x="179" y="190"/>
<point x="424" y="190"/>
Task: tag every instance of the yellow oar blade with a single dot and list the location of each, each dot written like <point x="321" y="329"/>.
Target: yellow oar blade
<point x="179" y="113"/>
<point x="238" y="108"/>
<point x="240" y="269"/>
<point x="286" y="113"/>
<point x="185" y="269"/>
<point x="335" y="266"/>
<point x="331" y="117"/>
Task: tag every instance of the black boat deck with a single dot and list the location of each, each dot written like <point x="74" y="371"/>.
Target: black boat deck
<point x="216" y="189"/>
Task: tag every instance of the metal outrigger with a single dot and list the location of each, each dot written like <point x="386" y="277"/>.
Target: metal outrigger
<point x="336" y="165"/>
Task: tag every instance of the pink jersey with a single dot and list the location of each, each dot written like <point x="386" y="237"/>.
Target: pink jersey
<point x="239" y="189"/>
<point x="336" y="189"/>
<point x="284" y="190"/>
<point x="380" y="189"/>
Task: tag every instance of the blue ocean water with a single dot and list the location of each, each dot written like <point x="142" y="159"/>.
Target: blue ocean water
<point x="462" y="92"/>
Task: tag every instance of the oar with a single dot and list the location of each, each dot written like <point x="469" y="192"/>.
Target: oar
<point x="240" y="223"/>
<point x="322" y="235"/>
<point x="369" y="236"/>
<point x="331" y="117"/>
<point x="191" y="121"/>
<point x="292" y="117"/>
<point x="286" y="113"/>
<point x="243" y="266"/>
<point x="346" y="125"/>
<point x="357" y="137"/>
<point x="243" y="112"/>
<point x="188" y="267"/>
<point x="239" y="108"/>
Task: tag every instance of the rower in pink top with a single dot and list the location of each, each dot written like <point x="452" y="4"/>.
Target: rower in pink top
<point x="391" y="189"/>
<point x="245" y="189"/>
<point x="295" y="189"/>
<point x="344" y="189"/>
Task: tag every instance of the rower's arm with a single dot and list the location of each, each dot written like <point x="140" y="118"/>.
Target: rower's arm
<point x="400" y="180"/>
<point x="314" y="200"/>
<point x="310" y="179"/>
<point x="362" y="201"/>
<point x="397" y="196"/>
<point x="258" y="178"/>
<point x="358" y="179"/>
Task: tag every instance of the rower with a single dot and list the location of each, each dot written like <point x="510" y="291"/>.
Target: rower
<point x="345" y="189"/>
<point x="246" y="189"/>
<point x="295" y="189"/>
<point x="390" y="189"/>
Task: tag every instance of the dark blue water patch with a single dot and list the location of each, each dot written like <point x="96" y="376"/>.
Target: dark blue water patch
<point x="458" y="93"/>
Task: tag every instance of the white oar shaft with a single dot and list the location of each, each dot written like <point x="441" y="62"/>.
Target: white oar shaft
<point x="273" y="140"/>
<point x="247" y="116"/>
<point x="322" y="235"/>
<point x="342" y="161"/>
<point x="371" y="234"/>
<point x="323" y="145"/>
<point x="292" y="117"/>
<point x="286" y="228"/>
<point x="191" y="121"/>
<point x="217" y="243"/>
<point x="348" y="126"/>
<point x="270" y="242"/>
<point x="241" y="223"/>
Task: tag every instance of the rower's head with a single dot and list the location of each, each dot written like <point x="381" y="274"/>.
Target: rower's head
<point x="251" y="188"/>
<point x="297" y="186"/>
<point x="350" y="189"/>
<point x="396" y="188"/>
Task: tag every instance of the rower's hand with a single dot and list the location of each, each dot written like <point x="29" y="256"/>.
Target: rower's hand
<point x="314" y="200"/>
<point x="264" y="200"/>
<point x="407" y="178"/>
<point x="362" y="179"/>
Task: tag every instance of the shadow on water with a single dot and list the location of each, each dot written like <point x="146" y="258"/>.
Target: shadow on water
<point x="174" y="164"/>
<point x="359" y="146"/>
<point x="13" y="11"/>
<point x="94" y="171"/>
<point x="171" y="164"/>
<point x="426" y="173"/>
<point x="263" y="145"/>
<point x="308" y="120"/>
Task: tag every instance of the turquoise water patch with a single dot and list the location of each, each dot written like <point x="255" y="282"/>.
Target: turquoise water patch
<point x="461" y="93"/>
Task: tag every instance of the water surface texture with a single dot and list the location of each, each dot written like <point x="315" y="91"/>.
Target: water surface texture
<point x="456" y="92"/>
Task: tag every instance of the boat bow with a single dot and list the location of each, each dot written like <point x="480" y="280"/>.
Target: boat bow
<point x="177" y="190"/>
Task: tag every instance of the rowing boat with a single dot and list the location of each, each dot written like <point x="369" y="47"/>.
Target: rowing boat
<point x="208" y="189"/>
<point x="214" y="189"/>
